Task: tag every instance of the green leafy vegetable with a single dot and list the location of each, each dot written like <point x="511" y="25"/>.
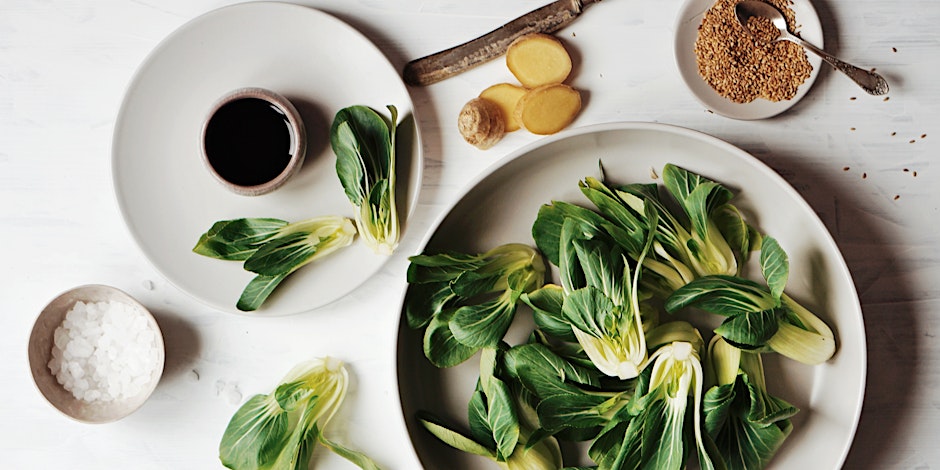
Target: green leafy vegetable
<point x="273" y="249"/>
<point x="760" y="316"/>
<point x="571" y="399"/>
<point x="364" y="144"/>
<point x="599" y="366"/>
<point x="279" y="430"/>
<point x="747" y="424"/>
<point x="662" y="423"/>
<point x="499" y="430"/>
<point x="602" y="303"/>
<point x="467" y="302"/>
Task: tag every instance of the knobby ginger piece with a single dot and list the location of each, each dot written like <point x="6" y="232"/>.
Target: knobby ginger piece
<point x="538" y="59"/>
<point x="548" y="109"/>
<point x="506" y="96"/>
<point x="481" y="123"/>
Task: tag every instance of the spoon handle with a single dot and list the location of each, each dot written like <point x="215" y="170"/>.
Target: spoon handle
<point x="870" y="81"/>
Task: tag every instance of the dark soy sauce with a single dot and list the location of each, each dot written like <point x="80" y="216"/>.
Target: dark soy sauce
<point x="248" y="141"/>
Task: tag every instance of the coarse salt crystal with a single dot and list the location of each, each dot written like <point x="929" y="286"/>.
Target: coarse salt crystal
<point x="104" y="351"/>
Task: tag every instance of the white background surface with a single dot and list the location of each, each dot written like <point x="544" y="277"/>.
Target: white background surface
<point x="63" y="69"/>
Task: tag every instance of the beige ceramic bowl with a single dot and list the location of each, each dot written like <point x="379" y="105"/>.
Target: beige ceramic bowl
<point x="40" y="352"/>
<point x="298" y="145"/>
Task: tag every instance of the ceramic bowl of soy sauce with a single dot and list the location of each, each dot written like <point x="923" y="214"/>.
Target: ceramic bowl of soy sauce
<point x="253" y="141"/>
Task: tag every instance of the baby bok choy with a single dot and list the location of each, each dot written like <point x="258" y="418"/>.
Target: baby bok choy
<point x="273" y="248"/>
<point x="280" y="430"/>
<point x="661" y="425"/>
<point x="571" y="398"/>
<point x="601" y="300"/>
<point x="364" y="144"/>
<point x="747" y="424"/>
<point x="760" y="317"/>
<point x="466" y="302"/>
<point x="500" y="429"/>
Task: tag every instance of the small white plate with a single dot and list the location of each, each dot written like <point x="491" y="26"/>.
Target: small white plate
<point x="500" y="207"/>
<point x="168" y="198"/>
<point x="690" y="17"/>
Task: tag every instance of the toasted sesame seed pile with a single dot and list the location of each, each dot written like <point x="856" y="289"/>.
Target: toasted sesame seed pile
<point x="742" y="68"/>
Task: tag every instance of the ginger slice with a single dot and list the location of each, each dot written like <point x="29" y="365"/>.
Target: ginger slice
<point x="506" y="96"/>
<point x="538" y="59"/>
<point x="548" y="109"/>
<point x="481" y="123"/>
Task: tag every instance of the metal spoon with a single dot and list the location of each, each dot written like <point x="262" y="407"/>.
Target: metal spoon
<point x="871" y="82"/>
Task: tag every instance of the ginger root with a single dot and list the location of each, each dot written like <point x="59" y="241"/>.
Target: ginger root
<point x="481" y="123"/>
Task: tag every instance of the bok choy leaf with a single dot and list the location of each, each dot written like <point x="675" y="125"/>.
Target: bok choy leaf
<point x="570" y="399"/>
<point x="499" y="429"/>
<point x="747" y="424"/>
<point x="273" y="248"/>
<point x="760" y="316"/>
<point x="364" y="144"/>
<point x="602" y="300"/>
<point x="467" y="302"/>
<point x="279" y="430"/>
<point x="661" y="425"/>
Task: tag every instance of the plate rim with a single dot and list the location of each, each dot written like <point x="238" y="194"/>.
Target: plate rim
<point x="672" y="129"/>
<point x="416" y="166"/>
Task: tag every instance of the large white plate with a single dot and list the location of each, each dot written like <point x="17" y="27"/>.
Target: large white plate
<point x="168" y="198"/>
<point x="687" y="24"/>
<point x="501" y="206"/>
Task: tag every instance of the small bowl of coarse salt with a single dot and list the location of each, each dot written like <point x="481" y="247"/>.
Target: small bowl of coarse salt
<point x="96" y="354"/>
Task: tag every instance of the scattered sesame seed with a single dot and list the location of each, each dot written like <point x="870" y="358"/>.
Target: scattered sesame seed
<point x="906" y="170"/>
<point x="887" y="98"/>
<point x="897" y="196"/>
<point x="912" y="141"/>
<point x="845" y="168"/>
<point x="864" y="175"/>
<point x="915" y="174"/>
<point x="894" y="49"/>
<point x="923" y="136"/>
<point x="852" y="98"/>
<point x="894" y="134"/>
<point x="873" y="69"/>
<point x="851" y="128"/>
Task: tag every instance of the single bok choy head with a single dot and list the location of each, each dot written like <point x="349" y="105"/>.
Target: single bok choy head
<point x="570" y="397"/>
<point x="499" y="428"/>
<point x="747" y="424"/>
<point x="280" y="430"/>
<point x="709" y="236"/>
<point x="760" y="316"/>
<point x="273" y="248"/>
<point x="468" y="301"/>
<point x="661" y="426"/>
<point x="601" y="300"/>
<point x="364" y="144"/>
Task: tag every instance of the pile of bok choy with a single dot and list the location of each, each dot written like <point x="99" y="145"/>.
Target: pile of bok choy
<point x="606" y="365"/>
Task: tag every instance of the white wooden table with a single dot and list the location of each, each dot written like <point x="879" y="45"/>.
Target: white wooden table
<point x="64" y="65"/>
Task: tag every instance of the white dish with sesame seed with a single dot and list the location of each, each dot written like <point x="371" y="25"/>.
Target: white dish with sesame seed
<point x="690" y="17"/>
